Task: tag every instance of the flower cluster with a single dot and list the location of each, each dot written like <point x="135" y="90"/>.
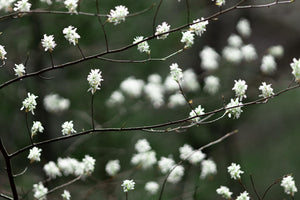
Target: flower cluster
<point x="197" y="112"/>
<point x="71" y="35"/>
<point x="54" y="103"/>
<point x="295" y="65"/>
<point x="235" y="171"/>
<point x="200" y="27"/>
<point x="208" y="167"/>
<point x="243" y="27"/>
<point x="277" y="51"/>
<point x="36" y="127"/>
<point x="71" y="5"/>
<point x="236" y="111"/>
<point x="51" y="170"/>
<point x="163" y="28"/>
<point x="188" y="39"/>
<point x="249" y="52"/>
<point x="2" y="53"/>
<point x="192" y="84"/>
<point x="224" y="192"/>
<point x="176" y="72"/>
<point x="132" y="87"/>
<point x="94" y="79"/>
<point x="143" y="46"/>
<point x="128" y="185"/>
<point x="288" y="185"/>
<point x="66" y="195"/>
<point x="34" y="154"/>
<point x="19" y="70"/>
<point x="266" y="90"/>
<point x="48" y="42"/>
<point x="22" y="6"/>
<point x="67" y="128"/>
<point x="209" y="58"/>
<point x="112" y="167"/>
<point x="40" y="191"/>
<point x="118" y="15"/>
<point x="29" y="103"/>
<point x="145" y="157"/>
<point x="165" y="164"/>
<point x="240" y="88"/>
<point x="152" y="187"/>
<point x="154" y="90"/>
<point x="193" y="156"/>
<point x="220" y="2"/>
<point x="268" y="65"/>
<point x="176" y="100"/>
<point x="243" y="196"/>
<point x="211" y="84"/>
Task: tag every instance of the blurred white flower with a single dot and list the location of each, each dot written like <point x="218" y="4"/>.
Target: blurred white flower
<point x="235" y="41"/>
<point x="132" y="87"/>
<point x="142" y="145"/>
<point x="288" y="185"/>
<point x="152" y="187"/>
<point x="2" y="53"/>
<point x="22" y="6"/>
<point x="112" y="167"/>
<point x="232" y="54"/>
<point x="268" y="65"/>
<point x="170" y="84"/>
<point x="224" y="192"/>
<point x="208" y="167"/>
<point x="165" y="164"/>
<point x="54" y="103"/>
<point x="176" y="72"/>
<point x="209" y="58"/>
<point x="116" y="98"/>
<point x="144" y="159"/>
<point x="243" y="27"/>
<point x="66" y="195"/>
<point x="89" y="164"/>
<point x="176" y="174"/>
<point x="249" y="52"/>
<point x="191" y="83"/>
<point x="277" y="51"/>
<point x="243" y="196"/>
<point x="211" y="84"/>
<point x="51" y="170"/>
<point x="39" y="191"/>
<point x="176" y="100"/>
<point x="188" y="39"/>
<point x="155" y="93"/>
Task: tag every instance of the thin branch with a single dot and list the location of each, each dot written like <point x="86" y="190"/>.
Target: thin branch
<point x="27" y="126"/>
<point x="52" y="63"/>
<point x="200" y="149"/>
<point x="265" y="5"/>
<point x="80" y="51"/>
<point x="21" y="173"/>
<point x="253" y="186"/>
<point x="6" y="197"/>
<point x="155" y="15"/>
<point x="243" y="186"/>
<point x="187" y="11"/>
<point x="102" y="25"/>
<point x="92" y="112"/>
<point x="270" y="186"/>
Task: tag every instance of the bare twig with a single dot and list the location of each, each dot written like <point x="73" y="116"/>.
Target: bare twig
<point x="253" y="186"/>
<point x="102" y="25"/>
<point x="6" y="197"/>
<point x="155" y="15"/>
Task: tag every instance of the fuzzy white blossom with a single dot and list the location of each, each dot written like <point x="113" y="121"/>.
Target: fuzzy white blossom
<point x="211" y="84"/>
<point x="71" y="5"/>
<point x="240" y="88"/>
<point x="143" y="46"/>
<point x="34" y="154"/>
<point x="208" y="167"/>
<point x="235" y="171"/>
<point x="165" y="164"/>
<point x="243" y="196"/>
<point x="54" y="103"/>
<point x="209" y="58"/>
<point x="196" y="112"/>
<point x="66" y="195"/>
<point x="132" y="87"/>
<point x="51" y="170"/>
<point x="154" y="78"/>
<point x="112" y="167"/>
<point x="48" y="42"/>
<point x="128" y="185"/>
<point x="176" y="100"/>
<point x="29" y="103"/>
<point x="243" y="27"/>
<point x="155" y="93"/>
<point x="232" y="54"/>
<point x="170" y="84"/>
<point x="39" y="191"/>
<point x="224" y="192"/>
<point x="200" y="27"/>
<point x="176" y="72"/>
<point x="94" y="78"/>
<point x="188" y="39"/>
<point x="152" y="187"/>
<point x="118" y="15"/>
<point x="142" y="145"/>
<point x="236" y="111"/>
<point x="68" y="165"/>
<point x="288" y="185"/>
<point x="266" y="90"/>
<point x="163" y="28"/>
<point x="295" y="65"/>
<point x="268" y="65"/>
<point x="88" y="164"/>
<point x="191" y="83"/>
<point x="71" y="35"/>
<point x="176" y="174"/>
<point x="235" y="41"/>
<point x="22" y="6"/>
<point x="36" y="127"/>
<point x="249" y="52"/>
<point x="67" y="128"/>
<point x="19" y="70"/>
<point x="194" y="156"/>
<point x="144" y="159"/>
<point x="277" y="51"/>
<point x="6" y="5"/>
<point x="116" y="98"/>
<point x="2" y="53"/>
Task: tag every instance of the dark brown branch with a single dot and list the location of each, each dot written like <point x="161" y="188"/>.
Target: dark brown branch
<point x="92" y="112"/>
<point x="155" y="15"/>
<point x="102" y="25"/>
<point x="270" y="186"/>
<point x="187" y="11"/>
<point x="27" y="126"/>
<point x="254" y="188"/>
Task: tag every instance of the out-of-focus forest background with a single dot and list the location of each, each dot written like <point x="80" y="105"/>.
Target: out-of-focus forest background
<point x="266" y="145"/>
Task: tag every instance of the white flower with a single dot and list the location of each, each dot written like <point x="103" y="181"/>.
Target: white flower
<point x="235" y="171"/>
<point x="211" y="84"/>
<point x="155" y="92"/>
<point x="208" y="167"/>
<point x="51" y="170"/>
<point x="176" y="72"/>
<point x="266" y="90"/>
<point x="234" y="112"/>
<point x="94" y="78"/>
<point x="19" y="70"/>
<point x="118" y="15"/>
<point x="185" y="151"/>
<point x="112" y="167"/>
<point x="195" y="156"/>
<point x="36" y="127"/>
<point x="142" y="145"/>
<point x="235" y="40"/>
<point x="243" y="28"/>
<point x="288" y="185"/>
<point x="22" y="6"/>
<point x="240" y="88"/>
<point x="276" y="51"/>
<point x="71" y="35"/>
<point x="176" y="174"/>
<point x="154" y="78"/>
<point x="220" y="2"/>
<point x="243" y="196"/>
<point x="160" y="29"/>
<point x="71" y="5"/>
<point x="187" y="38"/>
<point x="34" y="154"/>
<point x="144" y="159"/>
<point x="268" y="65"/>
<point x="132" y="87"/>
<point x="192" y="83"/>
<point x="67" y="128"/>
<point x="40" y="191"/>
<point x="165" y="164"/>
<point x="152" y="187"/>
<point x="170" y="84"/>
<point x="54" y="103"/>
<point x="143" y="46"/>
<point x="5" y="5"/>
<point x="199" y="28"/>
<point x="68" y="166"/>
<point x="209" y="58"/>
<point x="196" y="112"/>
<point x="232" y="54"/>
<point x="176" y="100"/>
<point x="48" y="42"/>
<point x="249" y="52"/>
<point x="29" y="103"/>
<point x="66" y="195"/>
<point x="128" y="185"/>
<point x="89" y="164"/>
<point x="224" y="192"/>
<point x="116" y="98"/>
<point x="295" y="65"/>
<point x="2" y="53"/>
<point x="49" y="2"/>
